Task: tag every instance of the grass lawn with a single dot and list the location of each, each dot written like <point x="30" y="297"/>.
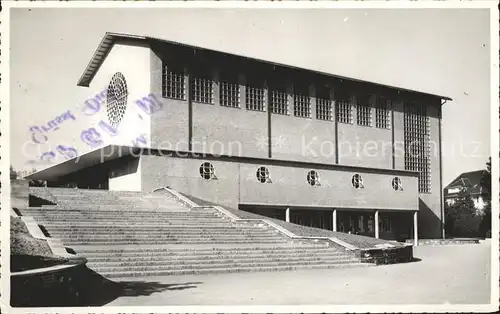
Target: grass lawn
<point x="27" y="252"/>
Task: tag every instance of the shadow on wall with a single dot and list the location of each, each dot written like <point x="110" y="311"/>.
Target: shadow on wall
<point x="429" y="225"/>
<point x="89" y="288"/>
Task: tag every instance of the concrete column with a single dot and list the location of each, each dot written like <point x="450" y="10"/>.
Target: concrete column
<point x="287" y="214"/>
<point x="376" y="225"/>
<point x="334" y="220"/>
<point x="415" y="228"/>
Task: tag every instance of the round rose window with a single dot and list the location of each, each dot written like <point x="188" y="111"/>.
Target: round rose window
<point x="116" y="99"/>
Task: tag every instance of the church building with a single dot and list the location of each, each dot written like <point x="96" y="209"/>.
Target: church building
<point x="304" y="146"/>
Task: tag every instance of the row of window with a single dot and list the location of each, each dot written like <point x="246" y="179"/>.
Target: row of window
<point x="202" y="91"/>
<point x="207" y="171"/>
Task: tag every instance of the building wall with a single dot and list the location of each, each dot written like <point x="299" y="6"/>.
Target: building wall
<point x="430" y="215"/>
<point x="170" y="125"/>
<point x="236" y="183"/>
<point x="229" y="131"/>
<point x="137" y="75"/>
<point x="183" y="175"/>
<point x="302" y="139"/>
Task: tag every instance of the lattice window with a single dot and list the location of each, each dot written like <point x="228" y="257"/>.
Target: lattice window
<point x="396" y="184"/>
<point x="357" y="181"/>
<point x="343" y="108"/>
<point x="229" y="93"/>
<point x="263" y="175"/>
<point x="173" y="83"/>
<point x="382" y="113"/>
<point x="302" y="103"/>
<point x="279" y="100"/>
<point x="313" y="178"/>
<point x="323" y="104"/>
<point x="417" y="149"/>
<point x="202" y="89"/>
<point x="207" y="171"/>
<point x="364" y="112"/>
<point x="255" y="97"/>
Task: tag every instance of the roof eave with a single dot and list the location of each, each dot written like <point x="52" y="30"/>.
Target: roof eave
<point x="110" y="38"/>
<point x="100" y="54"/>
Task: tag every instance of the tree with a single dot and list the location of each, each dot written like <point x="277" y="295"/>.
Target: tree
<point x="13" y="173"/>
<point x="461" y="216"/>
<point x="485" y="226"/>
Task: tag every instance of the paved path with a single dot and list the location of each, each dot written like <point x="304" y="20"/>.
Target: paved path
<point x="446" y="274"/>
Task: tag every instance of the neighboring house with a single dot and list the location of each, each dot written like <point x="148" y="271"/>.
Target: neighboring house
<point x="470" y="182"/>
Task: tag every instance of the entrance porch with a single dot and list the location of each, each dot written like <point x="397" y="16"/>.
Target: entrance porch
<point x="377" y="223"/>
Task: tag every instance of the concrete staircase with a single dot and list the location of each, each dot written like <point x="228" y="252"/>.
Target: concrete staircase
<point x="126" y="234"/>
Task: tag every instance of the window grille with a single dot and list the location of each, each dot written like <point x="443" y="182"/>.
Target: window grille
<point x="313" y="178"/>
<point x="364" y="112"/>
<point x="279" y="100"/>
<point x="302" y="103"/>
<point x="416" y="143"/>
<point x="396" y="184"/>
<point x="343" y="110"/>
<point x="382" y="113"/>
<point x="202" y="89"/>
<point x="255" y="96"/>
<point x="323" y="104"/>
<point x="357" y="181"/>
<point x="229" y="93"/>
<point x="263" y="175"/>
<point x="173" y="83"/>
<point x="207" y="171"/>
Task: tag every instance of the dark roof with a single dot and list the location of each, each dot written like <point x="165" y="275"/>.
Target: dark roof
<point x="110" y="39"/>
<point x="469" y="180"/>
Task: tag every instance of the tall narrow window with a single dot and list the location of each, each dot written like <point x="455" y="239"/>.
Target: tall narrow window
<point x="173" y="83"/>
<point x="364" y="111"/>
<point x="323" y="104"/>
<point x="254" y="93"/>
<point x="229" y="91"/>
<point x="343" y="107"/>
<point x="382" y="113"/>
<point x="416" y="143"/>
<point x="301" y="102"/>
<point x="202" y="87"/>
<point x="279" y="99"/>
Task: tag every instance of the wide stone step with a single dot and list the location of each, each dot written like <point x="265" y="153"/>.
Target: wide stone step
<point x="123" y="216"/>
<point x="166" y="224"/>
<point x="55" y="226"/>
<point x="223" y="232"/>
<point x="160" y="226"/>
<point x="168" y="241"/>
<point x="123" y="274"/>
<point x="168" y="237"/>
<point x="118" y="214"/>
<point x="229" y="265"/>
<point x="176" y="263"/>
<point x="216" y="256"/>
<point x="68" y="211"/>
<point x="187" y="251"/>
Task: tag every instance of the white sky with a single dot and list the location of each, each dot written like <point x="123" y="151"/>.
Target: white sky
<point x="441" y="51"/>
